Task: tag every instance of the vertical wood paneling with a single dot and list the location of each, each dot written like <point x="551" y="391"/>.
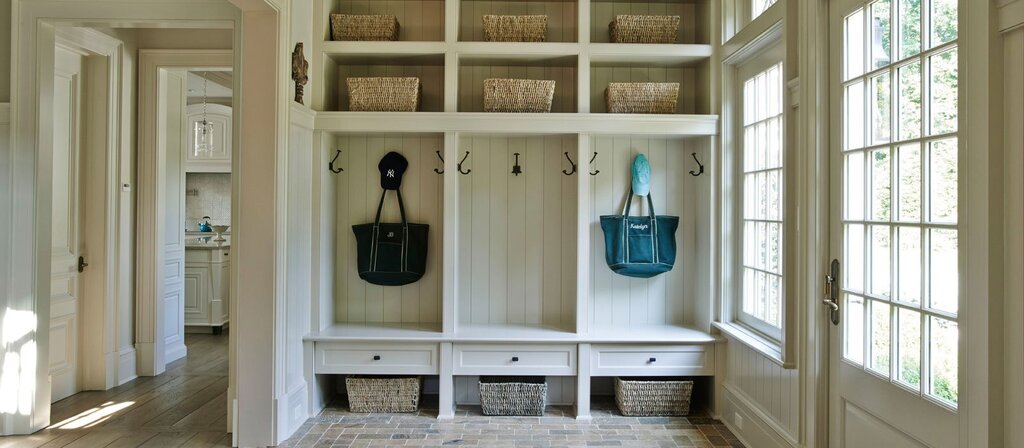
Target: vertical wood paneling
<point x="430" y="71"/>
<point x="603" y="12"/>
<point x="358" y="195"/>
<point x="563" y="72"/>
<point x="601" y="75"/>
<point x="420" y="20"/>
<point x="1013" y="221"/>
<point x="517" y="263"/>
<point x="773" y="389"/>
<point x="561" y="17"/>
<point x="619" y="300"/>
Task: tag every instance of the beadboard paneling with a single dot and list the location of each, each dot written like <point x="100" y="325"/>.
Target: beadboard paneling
<point x="357" y="197"/>
<point x="517" y="261"/>
<point x="776" y="391"/>
<point x="601" y="75"/>
<point x="603" y="12"/>
<point x="420" y="20"/>
<point x="561" y="390"/>
<point x="562" y="17"/>
<point x="562" y="71"/>
<point x="665" y="299"/>
<point x="429" y="69"/>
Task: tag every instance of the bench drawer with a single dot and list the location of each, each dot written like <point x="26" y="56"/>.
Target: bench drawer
<point x="652" y="360"/>
<point x="376" y="359"/>
<point x="555" y="360"/>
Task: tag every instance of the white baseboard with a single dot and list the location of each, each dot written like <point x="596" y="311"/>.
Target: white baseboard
<point x="126" y="365"/>
<point x="758" y="429"/>
<point x="292" y="410"/>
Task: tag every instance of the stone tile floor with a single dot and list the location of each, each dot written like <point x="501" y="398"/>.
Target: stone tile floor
<point x="336" y="427"/>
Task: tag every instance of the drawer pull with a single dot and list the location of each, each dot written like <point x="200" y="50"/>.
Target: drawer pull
<point x="515" y="359"/>
<point x="376" y="357"/>
<point x="652" y="360"/>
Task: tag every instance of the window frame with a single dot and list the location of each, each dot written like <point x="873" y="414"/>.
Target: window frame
<point x="766" y="44"/>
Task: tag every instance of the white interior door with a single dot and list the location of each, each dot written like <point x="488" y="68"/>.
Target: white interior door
<point x="65" y="280"/>
<point x="894" y="355"/>
<point x="174" y="133"/>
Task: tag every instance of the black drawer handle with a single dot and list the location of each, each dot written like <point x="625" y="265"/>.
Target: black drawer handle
<point x="515" y="359"/>
<point x="652" y="360"/>
<point x="376" y="357"/>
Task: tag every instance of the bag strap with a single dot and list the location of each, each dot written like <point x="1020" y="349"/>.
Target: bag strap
<point x="629" y="204"/>
<point x="654" y="227"/>
<point x="401" y="208"/>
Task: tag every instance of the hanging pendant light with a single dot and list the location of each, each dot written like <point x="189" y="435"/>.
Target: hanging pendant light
<point x="202" y="133"/>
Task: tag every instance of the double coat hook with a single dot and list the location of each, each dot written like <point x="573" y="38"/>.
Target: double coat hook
<point x="439" y="156"/>
<point x="331" y="167"/>
<point x="592" y="159"/>
<point x="700" y="166"/>
<point x="572" y="169"/>
<point x="463" y="161"/>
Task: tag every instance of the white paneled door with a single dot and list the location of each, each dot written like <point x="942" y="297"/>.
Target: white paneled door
<point x="894" y="341"/>
<point x="67" y="237"/>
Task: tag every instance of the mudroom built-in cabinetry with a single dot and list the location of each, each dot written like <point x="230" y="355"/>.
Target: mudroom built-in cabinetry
<point x="516" y="280"/>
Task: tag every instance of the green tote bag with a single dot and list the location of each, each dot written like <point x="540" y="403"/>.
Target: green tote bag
<point x="639" y="246"/>
<point x="391" y="254"/>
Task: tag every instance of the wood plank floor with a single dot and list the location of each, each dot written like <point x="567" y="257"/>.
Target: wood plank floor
<point x="186" y="406"/>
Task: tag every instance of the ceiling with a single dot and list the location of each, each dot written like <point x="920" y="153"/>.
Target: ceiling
<point x="218" y="84"/>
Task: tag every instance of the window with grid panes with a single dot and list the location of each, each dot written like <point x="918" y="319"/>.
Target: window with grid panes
<point x="761" y="299"/>
<point x="900" y="278"/>
<point x="758" y="7"/>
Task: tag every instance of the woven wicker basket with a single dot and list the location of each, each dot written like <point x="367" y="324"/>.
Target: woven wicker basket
<point x="515" y="28"/>
<point x="636" y="29"/>
<point x="503" y="395"/>
<point x="637" y="397"/>
<point x="364" y="27"/>
<point x="518" y="95"/>
<point x="384" y="94"/>
<point x="383" y="394"/>
<point x="642" y="97"/>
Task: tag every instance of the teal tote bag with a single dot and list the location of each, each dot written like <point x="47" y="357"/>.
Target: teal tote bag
<point x="640" y="246"/>
<point x="391" y="254"/>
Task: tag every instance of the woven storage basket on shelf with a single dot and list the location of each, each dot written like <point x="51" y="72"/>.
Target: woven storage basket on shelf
<point x="515" y="28"/>
<point x="364" y="27"/>
<point x="636" y="29"/>
<point x="383" y="394"/>
<point x="637" y="397"/>
<point x="518" y="95"/>
<point x="505" y="395"/>
<point x="642" y="97"/>
<point x="383" y="94"/>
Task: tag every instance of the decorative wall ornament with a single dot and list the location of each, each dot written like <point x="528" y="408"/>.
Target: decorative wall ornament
<point x="300" y="67"/>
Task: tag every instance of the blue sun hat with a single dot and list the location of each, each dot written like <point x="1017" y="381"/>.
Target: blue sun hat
<point x="641" y="176"/>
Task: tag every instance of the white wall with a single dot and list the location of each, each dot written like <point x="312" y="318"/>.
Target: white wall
<point x="764" y="395"/>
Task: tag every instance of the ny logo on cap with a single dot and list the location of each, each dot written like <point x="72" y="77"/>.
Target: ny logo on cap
<point x="391" y="173"/>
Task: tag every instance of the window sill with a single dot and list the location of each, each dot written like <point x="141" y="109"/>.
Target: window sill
<point x="768" y="348"/>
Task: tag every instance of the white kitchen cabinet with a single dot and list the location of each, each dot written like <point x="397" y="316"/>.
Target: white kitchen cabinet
<point x="207" y="287"/>
<point x="218" y="160"/>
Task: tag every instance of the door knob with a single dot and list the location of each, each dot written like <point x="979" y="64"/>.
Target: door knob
<point x="82" y="264"/>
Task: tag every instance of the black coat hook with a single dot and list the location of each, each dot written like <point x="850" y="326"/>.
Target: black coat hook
<point x="571" y="171"/>
<point x="592" y="159"/>
<point x="331" y="167"/>
<point x="701" y="165"/>
<point x="462" y="161"/>
<point x="516" y="169"/>
<point x="439" y="156"/>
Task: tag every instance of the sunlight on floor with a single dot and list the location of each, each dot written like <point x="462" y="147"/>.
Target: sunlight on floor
<point x="93" y="416"/>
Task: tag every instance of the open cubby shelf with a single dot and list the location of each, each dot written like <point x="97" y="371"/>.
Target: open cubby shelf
<point x="516" y="264"/>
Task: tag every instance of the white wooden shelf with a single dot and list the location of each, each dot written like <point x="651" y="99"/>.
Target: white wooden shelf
<point x="378" y="332"/>
<point x="650" y="333"/>
<point x="523" y="124"/>
<point x="649" y="54"/>
<point x="503" y="51"/>
<point x="431" y="332"/>
<point x="348" y="48"/>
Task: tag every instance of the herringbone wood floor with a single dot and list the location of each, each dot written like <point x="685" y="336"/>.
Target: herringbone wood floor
<point x="186" y="406"/>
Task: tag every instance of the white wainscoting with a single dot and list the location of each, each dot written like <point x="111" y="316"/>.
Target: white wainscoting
<point x="126" y="360"/>
<point x="765" y="395"/>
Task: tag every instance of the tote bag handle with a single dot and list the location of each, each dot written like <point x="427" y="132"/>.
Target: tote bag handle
<point x="654" y="225"/>
<point x="380" y="208"/>
<point x="375" y="239"/>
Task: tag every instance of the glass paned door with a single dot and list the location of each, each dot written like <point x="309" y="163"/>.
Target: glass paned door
<point x="894" y="222"/>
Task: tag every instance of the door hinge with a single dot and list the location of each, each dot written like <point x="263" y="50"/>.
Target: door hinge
<point x="831" y="292"/>
<point x="82" y="264"/>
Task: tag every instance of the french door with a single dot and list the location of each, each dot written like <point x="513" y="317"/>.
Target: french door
<point x="894" y="178"/>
